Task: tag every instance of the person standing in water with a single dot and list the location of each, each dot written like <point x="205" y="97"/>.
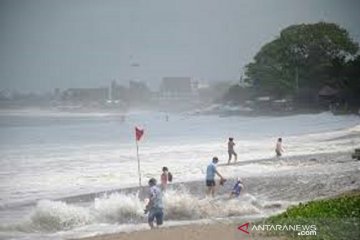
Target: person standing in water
<point x="231" y="151"/>
<point x="165" y="178"/>
<point x="210" y="177"/>
<point x="155" y="205"/>
<point x="279" y="148"/>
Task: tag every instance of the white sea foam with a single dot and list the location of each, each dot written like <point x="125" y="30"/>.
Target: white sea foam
<point x="118" y="208"/>
<point x="45" y="157"/>
<point x="54" y="216"/>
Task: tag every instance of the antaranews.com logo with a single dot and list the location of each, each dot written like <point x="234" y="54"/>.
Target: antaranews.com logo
<point x="303" y="230"/>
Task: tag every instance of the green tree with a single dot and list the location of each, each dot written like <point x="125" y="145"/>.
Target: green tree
<point x="237" y="94"/>
<point x="303" y="57"/>
<point x="350" y="76"/>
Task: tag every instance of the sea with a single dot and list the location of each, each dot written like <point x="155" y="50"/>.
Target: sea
<point x="61" y="174"/>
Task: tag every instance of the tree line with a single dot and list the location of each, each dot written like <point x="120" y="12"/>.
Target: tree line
<point x="313" y="65"/>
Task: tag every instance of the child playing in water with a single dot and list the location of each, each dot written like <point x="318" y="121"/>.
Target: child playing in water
<point x="237" y="188"/>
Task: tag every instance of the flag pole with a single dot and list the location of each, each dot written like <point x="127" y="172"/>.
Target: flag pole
<point x="138" y="159"/>
<point x="138" y="135"/>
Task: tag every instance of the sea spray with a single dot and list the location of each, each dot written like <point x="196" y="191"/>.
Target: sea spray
<point x="235" y="207"/>
<point x="50" y="216"/>
<point x="119" y="208"/>
<point x="181" y="205"/>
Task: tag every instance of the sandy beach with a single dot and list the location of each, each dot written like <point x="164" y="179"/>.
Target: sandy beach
<point x="187" y="232"/>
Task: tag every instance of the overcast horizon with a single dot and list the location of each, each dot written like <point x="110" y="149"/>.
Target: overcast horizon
<point x="47" y="44"/>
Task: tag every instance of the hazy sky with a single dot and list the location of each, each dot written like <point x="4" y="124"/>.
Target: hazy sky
<point x="74" y="43"/>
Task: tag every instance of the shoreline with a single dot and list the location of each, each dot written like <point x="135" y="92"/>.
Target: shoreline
<point x="319" y="176"/>
<point x="276" y="189"/>
<point x="227" y="229"/>
<point x="44" y="111"/>
<point x="196" y="187"/>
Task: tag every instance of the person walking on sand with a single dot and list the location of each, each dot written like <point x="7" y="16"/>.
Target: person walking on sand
<point x="155" y="205"/>
<point x="210" y="177"/>
<point x="279" y="148"/>
<point x="231" y="151"/>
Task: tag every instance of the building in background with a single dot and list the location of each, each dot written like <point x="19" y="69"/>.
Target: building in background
<point x="86" y="95"/>
<point x="176" y="93"/>
<point x="177" y="88"/>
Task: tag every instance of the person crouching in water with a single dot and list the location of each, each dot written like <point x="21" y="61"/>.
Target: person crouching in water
<point x="155" y="205"/>
<point x="210" y="177"/>
<point x="235" y="192"/>
<point x="279" y="148"/>
<point x="231" y="151"/>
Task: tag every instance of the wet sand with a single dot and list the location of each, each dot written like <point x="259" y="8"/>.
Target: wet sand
<point x="218" y="231"/>
<point x="318" y="175"/>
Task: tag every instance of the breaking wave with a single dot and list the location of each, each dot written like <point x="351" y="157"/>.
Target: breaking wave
<point x="118" y="208"/>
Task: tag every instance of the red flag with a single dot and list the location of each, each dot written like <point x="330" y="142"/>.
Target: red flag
<point x="138" y="133"/>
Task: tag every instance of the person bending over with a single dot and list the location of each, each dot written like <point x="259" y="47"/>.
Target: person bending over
<point x="210" y="177"/>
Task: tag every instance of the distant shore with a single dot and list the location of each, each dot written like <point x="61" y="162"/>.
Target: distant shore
<point x="265" y="112"/>
<point x="220" y="111"/>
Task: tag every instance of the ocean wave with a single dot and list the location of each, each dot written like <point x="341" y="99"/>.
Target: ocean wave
<point x="51" y="216"/>
<point x="118" y="208"/>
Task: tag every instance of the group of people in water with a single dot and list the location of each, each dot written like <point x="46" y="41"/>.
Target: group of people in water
<point x="154" y="207"/>
<point x="279" y="150"/>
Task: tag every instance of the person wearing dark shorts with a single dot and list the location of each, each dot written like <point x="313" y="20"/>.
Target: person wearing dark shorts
<point x="210" y="177"/>
<point x="155" y="214"/>
<point x="210" y="183"/>
<point x="155" y="205"/>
